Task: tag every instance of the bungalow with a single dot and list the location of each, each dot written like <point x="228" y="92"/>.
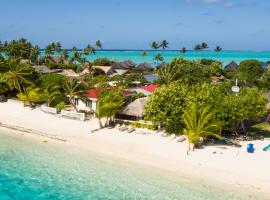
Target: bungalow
<point x="90" y="99"/>
<point x="108" y="70"/>
<point x="232" y="67"/>
<point x="144" y="67"/>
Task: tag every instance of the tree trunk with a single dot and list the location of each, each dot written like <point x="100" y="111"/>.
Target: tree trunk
<point x="100" y="124"/>
<point x="73" y="105"/>
<point x="19" y="86"/>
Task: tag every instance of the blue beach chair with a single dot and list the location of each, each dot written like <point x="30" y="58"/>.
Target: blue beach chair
<point x="250" y="148"/>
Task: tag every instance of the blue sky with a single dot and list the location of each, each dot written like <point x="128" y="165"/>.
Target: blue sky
<point x="133" y="24"/>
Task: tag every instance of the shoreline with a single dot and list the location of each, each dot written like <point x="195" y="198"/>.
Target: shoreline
<point x="229" y="169"/>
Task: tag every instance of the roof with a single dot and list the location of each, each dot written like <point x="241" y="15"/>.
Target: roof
<point x="94" y="93"/>
<point x="144" y="67"/>
<point x="124" y="65"/>
<point x="232" y="67"/>
<point x="69" y="72"/>
<point x="85" y="71"/>
<point x="45" y="70"/>
<point x="160" y="65"/>
<point x="121" y="71"/>
<point x="135" y="108"/>
<point x="150" y="88"/>
<point x="106" y="69"/>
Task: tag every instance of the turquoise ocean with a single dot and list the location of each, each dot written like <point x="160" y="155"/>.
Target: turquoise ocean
<point x="33" y="170"/>
<point x="224" y="56"/>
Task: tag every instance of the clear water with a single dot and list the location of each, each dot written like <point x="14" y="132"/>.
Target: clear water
<point x="224" y="56"/>
<point x="32" y="169"/>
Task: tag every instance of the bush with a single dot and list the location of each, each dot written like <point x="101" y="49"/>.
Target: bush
<point x="60" y="106"/>
<point x="103" y="62"/>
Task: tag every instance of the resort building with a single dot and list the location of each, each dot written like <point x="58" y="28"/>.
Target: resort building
<point x="89" y="101"/>
<point x="108" y="70"/>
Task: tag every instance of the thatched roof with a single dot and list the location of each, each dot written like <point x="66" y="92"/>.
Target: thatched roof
<point x="70" y="72"/>
<point x="145" y="67"/>
<point x="232" y="67"/>
<point x="108" y="70"/>
<point x="124" y="65"/>
<point x="136" y="108"/>
<point x="45" y="70"/>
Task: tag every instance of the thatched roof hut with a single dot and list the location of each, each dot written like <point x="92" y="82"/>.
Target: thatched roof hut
<point x="45" y="70"/>
<point x="144" y="67"/>
<point x="135" y="108"/>
<point x="232" y="67"/>
<point x="124" y="65"/>
<point x="108" y="70"/>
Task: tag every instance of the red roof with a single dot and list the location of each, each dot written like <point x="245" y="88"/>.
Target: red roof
<point x="150" y="88"/>
<point x="94" y="93"/>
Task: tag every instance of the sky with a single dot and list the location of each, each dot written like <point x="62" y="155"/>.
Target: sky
<point x="134" y="24"/>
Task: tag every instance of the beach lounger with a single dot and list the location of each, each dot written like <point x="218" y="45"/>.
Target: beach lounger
<point x="130" y="130"/>
<point x="124" y="128"/>
<point x="267" y="148"/>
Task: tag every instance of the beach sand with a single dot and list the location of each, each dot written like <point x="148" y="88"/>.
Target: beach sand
<point x="221" y="166"/>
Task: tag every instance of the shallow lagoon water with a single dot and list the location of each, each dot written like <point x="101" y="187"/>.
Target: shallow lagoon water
<point x="224" y="56"/>
<point x="31" y="169"/>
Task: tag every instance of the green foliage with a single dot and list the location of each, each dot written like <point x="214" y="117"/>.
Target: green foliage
<point x="188" y="72"/>
<point x="137" y="96"/>
<point x="216" y="69"/>
<point x="166" y="106"/>
<point x="158" y="58"/>
<point x="168" y="103"/>
<point x="103" y="62"/>
<point x="72" y="89"/>
<point x="109" y="104"/>
<point x="250" y="70"/>
<point x="18" y="74"/>
<point x="29" y="95"/>
<point x="56" y="79"/>
<point x="50" y="94"/>
<point x="199" y="123"/>
<point x="60" y="106"/>
<point x="142" y="125"/>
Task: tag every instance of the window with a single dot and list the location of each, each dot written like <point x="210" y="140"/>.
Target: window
<point x="76" y="101"/>
<point x="88" y="103"/>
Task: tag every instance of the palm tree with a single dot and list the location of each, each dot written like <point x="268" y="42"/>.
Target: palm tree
<point x="168" y="73"/>
<point x="98" y="44"/>
<point x="29" y="95"/>
<point x="58" y="47"/>
<point x="144" y="54"/>
<point x="158" y="58"/>
<point x="35" y="52"/>
<point x="199" y="124"/>
<point x="218" y="49"/>
<point x="89" y="50"/>
<point x="72" y="90"/>
<point x="204" y="45"/>
<point x="17" y="74"/>
<point x="164" y="44"/>
<point x="50" y="94"/>
<point x="48" y="50"/>
<point x="197" y="47"/>
<point x="183" y="50"/>
<point x="154" y="45"/>
<point x="65" y="54"/>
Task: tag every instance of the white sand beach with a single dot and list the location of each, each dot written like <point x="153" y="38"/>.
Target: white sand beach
<point x="224" y="166"/>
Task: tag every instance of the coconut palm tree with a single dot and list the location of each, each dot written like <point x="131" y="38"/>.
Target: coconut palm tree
<point x="164" y="44"/>
<point x="158" y="58"/>
<point x="35" y="52"/>
<point x="198" y="47"/>
<point x="168" y="73"/>
<point x="199" y="124"/>
<point x="183" y="50"/>
<point x="204" y="45"/>
<point x="154" y="45"/>
<point x="48" y="50"/>
<point x="29" y="96"/>
<point x="58" y="47"/>
<point x="98" y="44"/>
<point x="72" y="90"/>
<point x="218" y="49"/>
<point x="144" y="54"/>
<point x="17" y="73"/>
<point x="50" y="94"/>
<point x="65" y="54"/>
